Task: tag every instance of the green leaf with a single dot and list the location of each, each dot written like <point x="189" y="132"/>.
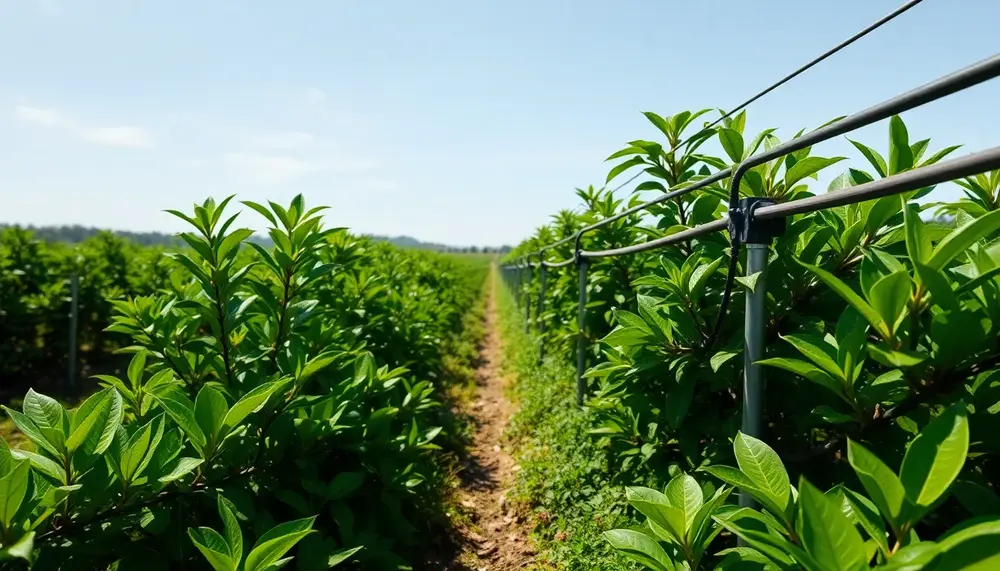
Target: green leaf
<point x="657" y="508"/>
<point x="873" y="156"/>
<point x="342" y="555"/>
<point x="890" y="357"/>
<point x="918" y="243"/>
<point x="344" y="484"/>
<point x="732" y="143"/>
<point x="936" y="456"/>
<point x="181" y="410"/>
<point x="210" y="409"/>
<point x="679" y="401"/>
<point x="48" y="415"/>
<point x="317" y="364"/>
<point x="808" y="371"/>
<point x="34" y="434"/>
<point x="816" y="350"/>
<point x="685" y="494"/>
<point x="263" y="211"/>
<point x="753" y="528"/>
<point x="622" y="167"/>
<point x="44" y="465"/>
<point x="866" y="514"/>
<point x="139" y="449"/>
<point x="807" y="167"/>
<point x="938" y="284"/>
<point x="971" y="547"/>
<point x="889" y="296"/>
<point x="251" y="402"/>
<point x="213" y="546"/>
<point x="23" y="548"/>
<point x="273" y="545"/>
<point x="848" y="295"/>
<point x="231" y="527"/>
<point x="182" y="467"/>
<point x="13" y="488"/>
<point x="961" y="239"/>
<point x="659" y="122"/>
<point x="738" y="479"/>
<point x="900" y="155"/>
<point x="136" y="367"/>
<point x="641" y="548"/>
<point x="95" y="422"/>
<point x="750" y="281"/>
<point x="825" y="531"/>
<point x="761" y="464"/>
<point x="881" y="483"/>
<point x="980" y="500"/>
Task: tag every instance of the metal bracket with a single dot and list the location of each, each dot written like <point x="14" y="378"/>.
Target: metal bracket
<point x="745" y="229"/>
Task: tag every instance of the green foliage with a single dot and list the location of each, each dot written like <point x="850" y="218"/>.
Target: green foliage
<point x="881" y="320"/>
<point x="300" y="383"/>
<point x="35" y="299"/>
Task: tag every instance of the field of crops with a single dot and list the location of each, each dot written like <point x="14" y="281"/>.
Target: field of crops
<point x="273" y="404"/>
<point x="879" y="443"/>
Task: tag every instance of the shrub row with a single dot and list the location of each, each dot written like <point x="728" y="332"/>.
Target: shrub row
<point x="280" y="402"/>
<point x="882" y="360"/>
<point x="35" y="299"/>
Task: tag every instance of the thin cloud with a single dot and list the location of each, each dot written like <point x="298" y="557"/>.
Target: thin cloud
<point x="112" y="136"/>
<point x="264" y="169"/>
<point x="267" y="169"/>
<point x="280" y="140"/>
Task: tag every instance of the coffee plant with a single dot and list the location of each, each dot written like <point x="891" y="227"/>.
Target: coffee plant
<point x="881" y="350"/>
<point x="290" y="394"/>
<point x="35" y="300"/>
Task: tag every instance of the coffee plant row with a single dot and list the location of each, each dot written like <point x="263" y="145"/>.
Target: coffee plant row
<point x="280" y="403"/>
<point x="882" y="362"/>
<point x="35" y="299"/>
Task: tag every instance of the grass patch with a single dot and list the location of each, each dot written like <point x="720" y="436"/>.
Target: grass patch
<point x="565" y="487"/>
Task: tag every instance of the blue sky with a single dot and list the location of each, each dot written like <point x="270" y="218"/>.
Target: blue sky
<point x="457" y="122"/>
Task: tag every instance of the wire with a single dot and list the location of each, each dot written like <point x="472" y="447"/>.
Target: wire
<point x="825" y="55"/>
<point x="885" y="20"/>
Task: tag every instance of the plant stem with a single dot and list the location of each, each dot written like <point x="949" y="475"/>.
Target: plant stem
<point x="223" y="334"/>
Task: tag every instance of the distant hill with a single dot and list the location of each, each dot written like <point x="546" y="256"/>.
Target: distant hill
<point x="76" y="233"/>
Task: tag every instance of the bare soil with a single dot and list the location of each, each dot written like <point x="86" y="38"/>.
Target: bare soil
<point x="497" y="538"/>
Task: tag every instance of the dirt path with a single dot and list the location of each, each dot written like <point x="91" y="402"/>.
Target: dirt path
<point x="497" y="540"/>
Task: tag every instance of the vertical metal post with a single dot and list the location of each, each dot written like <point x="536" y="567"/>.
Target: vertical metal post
<point x="753" y="375"/>
<point x="541" y="307"/>
<point x="517" y="290"/>
<point x="74" y="312"/>
<point x="527" y="302"/>
<point x="581" y="320"/>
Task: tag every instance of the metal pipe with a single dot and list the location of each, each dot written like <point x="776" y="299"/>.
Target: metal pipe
<point x="581" y="333"/>
<point x="753" y="377"/>
<point x="540" y="311"/>
<point x="682" y="236"/>
<point x="561" y="264"/>
<point x="970" y="76"/>
<point x="915" y="179"/>
<point x="527" y="302"/>
<point x="974" y="74"/>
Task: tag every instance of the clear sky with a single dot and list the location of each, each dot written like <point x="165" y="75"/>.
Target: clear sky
<point x="459" y="122"/>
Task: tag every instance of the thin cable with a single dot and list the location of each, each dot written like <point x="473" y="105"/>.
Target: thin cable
<point x="876" y="25"/>
<point x="885" y="20"/>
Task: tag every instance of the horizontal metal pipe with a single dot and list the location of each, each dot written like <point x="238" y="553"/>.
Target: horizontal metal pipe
<point x="970" y="76"/>
<point x="683" y="236"/>
<point x="975" y="74"/>
<point x="915" y="179"/>
<point x="561" y="264"/>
